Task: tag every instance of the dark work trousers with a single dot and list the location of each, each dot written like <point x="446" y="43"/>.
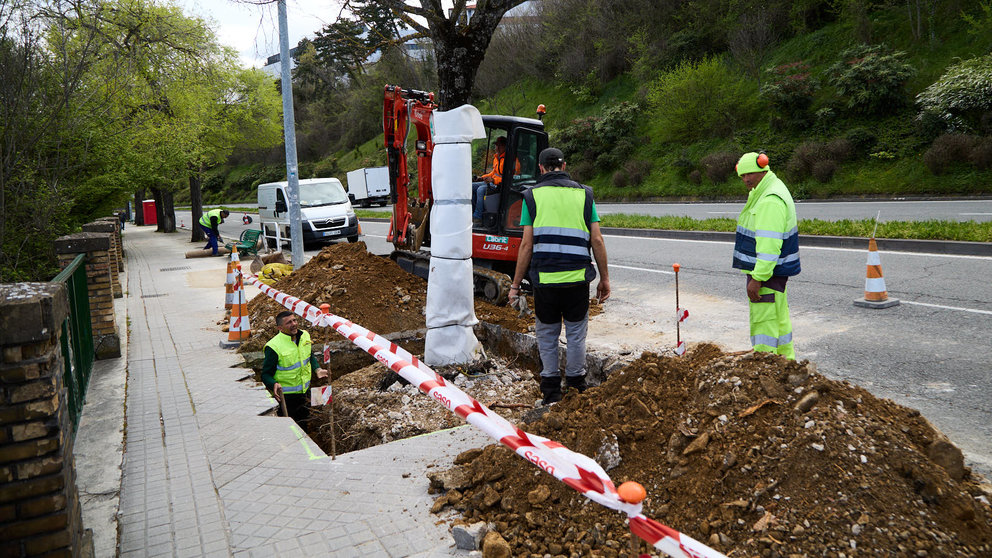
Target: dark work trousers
<point x="211" y="239"/>
<point x="554" y="306"/>
<point x="298" y="405"/>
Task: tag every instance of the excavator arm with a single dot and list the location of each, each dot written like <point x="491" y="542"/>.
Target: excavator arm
<point x="402" y="108"/>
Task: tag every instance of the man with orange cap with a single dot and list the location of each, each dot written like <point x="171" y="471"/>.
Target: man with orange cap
<point x="767" y="250"/>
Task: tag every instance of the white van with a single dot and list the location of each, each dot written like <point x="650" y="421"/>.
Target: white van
<point x="325" y="211"/>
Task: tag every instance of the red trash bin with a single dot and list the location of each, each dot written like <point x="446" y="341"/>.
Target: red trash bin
<point x="148" y="206"/>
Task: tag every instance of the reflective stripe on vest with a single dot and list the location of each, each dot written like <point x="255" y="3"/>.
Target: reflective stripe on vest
<point x="749" y="237"/>
<point x="561" y="211"/>
<point x="205" y="218"/>
<point x="293" y="368"/>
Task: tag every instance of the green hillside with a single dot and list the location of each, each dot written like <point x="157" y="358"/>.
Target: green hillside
<point x="837" y="117"/>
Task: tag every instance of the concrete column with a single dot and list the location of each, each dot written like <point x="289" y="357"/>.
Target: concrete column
<point x="99" y="280"/>
<point x="39" y="503"/>
<point x="116" y="265"/>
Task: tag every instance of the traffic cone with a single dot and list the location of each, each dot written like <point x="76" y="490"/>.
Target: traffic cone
<point x="234" y="263"/>
<point x="240" y="329"/>
<point x="875" y="294"/>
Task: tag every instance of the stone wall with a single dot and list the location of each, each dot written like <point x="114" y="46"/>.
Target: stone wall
<point x="39" y="503"/>
<point x="96" y="246"/>
<point x="116" y="264"/>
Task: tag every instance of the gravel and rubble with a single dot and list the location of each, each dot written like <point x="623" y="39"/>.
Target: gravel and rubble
<point x="752" y="454"/>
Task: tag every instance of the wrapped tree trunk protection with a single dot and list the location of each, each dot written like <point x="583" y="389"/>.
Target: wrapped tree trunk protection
<point x="450" y="302"/>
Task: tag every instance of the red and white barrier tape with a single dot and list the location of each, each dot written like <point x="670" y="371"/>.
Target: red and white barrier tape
<point x="574" y="469"/>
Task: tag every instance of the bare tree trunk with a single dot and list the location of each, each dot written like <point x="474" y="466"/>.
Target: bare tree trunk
<point x="164" y="210"/>
<point x="139" y="209"/>
<point x="196" y="204"/>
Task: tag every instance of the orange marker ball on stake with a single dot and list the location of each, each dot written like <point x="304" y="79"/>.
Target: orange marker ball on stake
<point x="676" y="267"/>
<point x="325" y="308"/>
<point x="632" y="492"/>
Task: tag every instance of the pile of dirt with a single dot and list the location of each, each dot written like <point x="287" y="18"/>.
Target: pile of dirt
<point x="751" y="454"/>
<point x="373" y="405"/>
<point x="369" y="290"/>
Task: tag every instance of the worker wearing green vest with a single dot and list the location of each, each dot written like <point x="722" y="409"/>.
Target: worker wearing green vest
<point x="560" y="227"/>
<point x="287" y="365"/>
<point x="209" y="223"/>
<point x="766" y="248"/>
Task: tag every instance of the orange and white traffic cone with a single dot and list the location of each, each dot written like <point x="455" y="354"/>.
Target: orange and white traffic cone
<point x="235" y="262"/>
<point x="875" y="294"/>
<point x="240" y="328"/>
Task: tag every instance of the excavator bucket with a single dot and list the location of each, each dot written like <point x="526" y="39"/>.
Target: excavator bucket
<point x="419" y="225"/>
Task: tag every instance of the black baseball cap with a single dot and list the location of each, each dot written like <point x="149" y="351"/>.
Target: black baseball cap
<point x="551" y="158"/>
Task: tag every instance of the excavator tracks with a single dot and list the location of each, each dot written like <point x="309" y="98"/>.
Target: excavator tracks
<point x="490" y="285"/>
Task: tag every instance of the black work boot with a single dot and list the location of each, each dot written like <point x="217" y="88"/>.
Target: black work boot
<point x="551" y="388"/>
<point x="576" y="382"/>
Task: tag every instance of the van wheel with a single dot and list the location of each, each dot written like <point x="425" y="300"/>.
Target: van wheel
<point x="353" y="239"/>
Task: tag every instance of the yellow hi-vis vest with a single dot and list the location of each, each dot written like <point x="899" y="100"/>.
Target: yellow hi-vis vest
<point x="205" y="219"/>
<point x="293" y="369"/>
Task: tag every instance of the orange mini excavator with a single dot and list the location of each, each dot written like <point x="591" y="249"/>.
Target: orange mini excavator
<point x="496" y="239"/>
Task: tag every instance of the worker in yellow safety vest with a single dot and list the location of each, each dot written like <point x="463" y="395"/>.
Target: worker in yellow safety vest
<point x="287" y="365"/>
<point x="766" y="248"/>
<point x="561" y="227"/>
<point x="209" y="223"/>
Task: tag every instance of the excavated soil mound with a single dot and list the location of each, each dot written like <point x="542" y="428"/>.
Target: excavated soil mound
<point x="373" y="406"/>
<point x="369" y="290"/>
<point x="755" y="455"/>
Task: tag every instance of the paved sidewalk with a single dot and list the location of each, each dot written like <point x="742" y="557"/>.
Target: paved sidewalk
<point x="205" y="475"/>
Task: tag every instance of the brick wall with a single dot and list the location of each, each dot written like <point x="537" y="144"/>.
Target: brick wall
<point x="118" y="241"/>
<point x="39" y="503"/>
<point x="96" y="246"/>
<point x="115" y="265"/>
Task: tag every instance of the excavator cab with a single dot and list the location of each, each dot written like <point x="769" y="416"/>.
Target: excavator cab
<point x="525" y="138"/>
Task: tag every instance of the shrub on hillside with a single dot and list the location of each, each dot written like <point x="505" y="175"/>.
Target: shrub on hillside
<point x="791" y="89"/>
<point x="839" y="149"/>
<point x="823" y="171"/>
<point x="804" y="158"/>
<point x="695" y="177"/>
<point x="961" y="96"/>
<point x="872" y="79"/>
<point x="606" y="141"/>
<point x="620" y="179"/>
<point x="699" y="100"/>
<point x="719" y="166"/>
<point x="947" y="150"/>
<point x="637" y="170"/>
<point x="981" y="154"/>
<point x="582" y="170"/>
<point x="862" y="140"/>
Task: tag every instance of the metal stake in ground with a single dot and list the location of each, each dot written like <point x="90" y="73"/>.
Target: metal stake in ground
<point x="678" y="320"/>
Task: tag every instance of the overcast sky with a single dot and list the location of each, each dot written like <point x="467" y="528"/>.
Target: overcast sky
<point x="254" y="30"/>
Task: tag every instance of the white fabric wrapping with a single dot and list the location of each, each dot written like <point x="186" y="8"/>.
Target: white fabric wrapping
<point x="450" y="303"/>
<point x="446" y="305"/>
<point x="450" y="345"/>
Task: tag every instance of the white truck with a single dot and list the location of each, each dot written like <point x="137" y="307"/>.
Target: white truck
<point x="369" y="186"/>
<point x="325" y="211"/>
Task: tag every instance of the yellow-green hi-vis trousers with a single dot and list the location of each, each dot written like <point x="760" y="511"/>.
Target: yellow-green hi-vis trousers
<point x="771" y="329"/>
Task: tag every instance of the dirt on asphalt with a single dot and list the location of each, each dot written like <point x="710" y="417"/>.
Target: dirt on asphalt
<point x="749" y="453"/>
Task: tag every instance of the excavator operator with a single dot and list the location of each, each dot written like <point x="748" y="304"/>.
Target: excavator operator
<point x="490" y="181"/>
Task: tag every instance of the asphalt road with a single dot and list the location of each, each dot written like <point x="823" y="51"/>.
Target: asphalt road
<point x="951" y="210"/>
<point x="932" y="352"/>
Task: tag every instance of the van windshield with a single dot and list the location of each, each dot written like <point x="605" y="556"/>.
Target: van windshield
<point x="322" y="193"/>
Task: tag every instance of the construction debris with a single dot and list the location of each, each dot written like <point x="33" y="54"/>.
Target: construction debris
<point x="736" y="451"/>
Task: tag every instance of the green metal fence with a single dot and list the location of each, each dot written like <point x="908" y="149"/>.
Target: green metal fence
<point x="77" y="337"/>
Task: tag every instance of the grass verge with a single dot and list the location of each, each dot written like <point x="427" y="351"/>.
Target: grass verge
<point x="969" y="231"/>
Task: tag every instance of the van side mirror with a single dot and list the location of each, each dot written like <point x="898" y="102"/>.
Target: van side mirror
<point x="351" y="198"/>
<point x="280" y="206"/>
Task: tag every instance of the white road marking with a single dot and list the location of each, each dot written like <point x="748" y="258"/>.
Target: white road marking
<point x="958" y="308"/>
<point x="974" y="213"/>
<point x="642" y="269"/>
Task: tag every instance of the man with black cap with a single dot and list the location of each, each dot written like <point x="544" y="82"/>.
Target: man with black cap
<point x="767" y="250"/>
<point x="560" y="227"/>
